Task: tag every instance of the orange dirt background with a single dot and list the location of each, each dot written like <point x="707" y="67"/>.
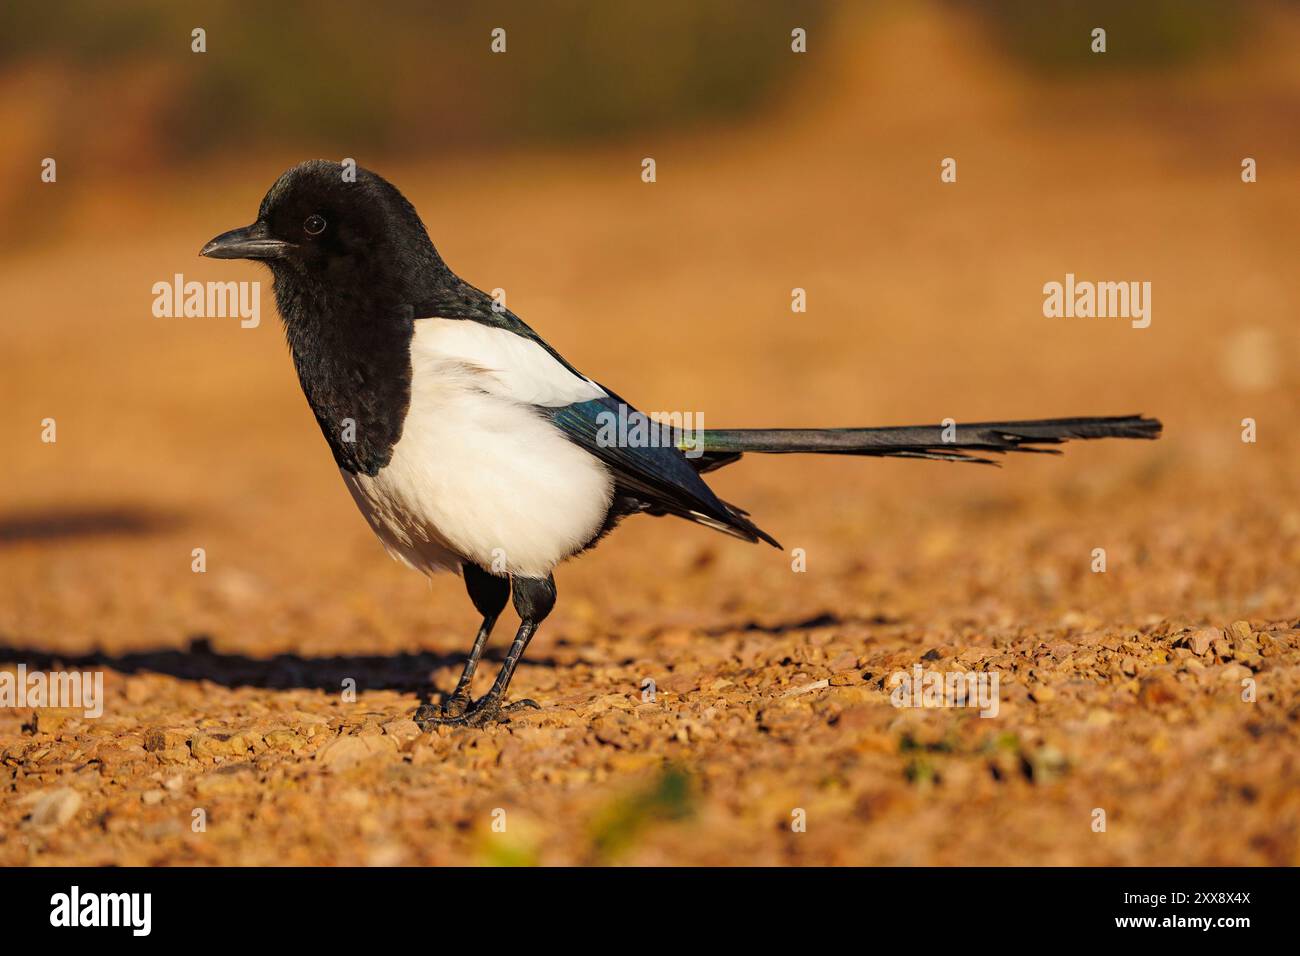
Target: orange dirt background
<point x="924" y="302"/>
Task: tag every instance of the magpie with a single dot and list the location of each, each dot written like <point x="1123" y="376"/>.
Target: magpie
<point x="472" y="446"/>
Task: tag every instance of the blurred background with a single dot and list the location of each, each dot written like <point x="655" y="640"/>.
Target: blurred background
<point x="775" y="170"/>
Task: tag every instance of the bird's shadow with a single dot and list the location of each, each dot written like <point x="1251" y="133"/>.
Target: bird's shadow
<point x="807" y="624"/>
<point x="404" y="672"/>
<point x="200" y="662"/>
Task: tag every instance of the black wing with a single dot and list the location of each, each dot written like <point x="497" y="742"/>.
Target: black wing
<point x="657" y="474"/>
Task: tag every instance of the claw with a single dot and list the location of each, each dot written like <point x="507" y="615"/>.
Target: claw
<point x="527" y="702"/>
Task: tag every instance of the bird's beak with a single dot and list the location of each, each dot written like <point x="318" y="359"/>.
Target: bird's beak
<point x="250" y="242"/>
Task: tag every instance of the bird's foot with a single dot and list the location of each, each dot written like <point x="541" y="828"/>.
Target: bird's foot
<point x="458" y="704"/>
<point x="481" y="713"/>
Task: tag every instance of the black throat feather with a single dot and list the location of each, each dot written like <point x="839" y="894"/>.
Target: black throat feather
<point x="352" y="352"/>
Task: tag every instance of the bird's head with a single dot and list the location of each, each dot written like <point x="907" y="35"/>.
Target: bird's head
<point x="326" y="227"/>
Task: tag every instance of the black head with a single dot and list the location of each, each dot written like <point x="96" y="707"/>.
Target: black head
<point x="331" y="231"/>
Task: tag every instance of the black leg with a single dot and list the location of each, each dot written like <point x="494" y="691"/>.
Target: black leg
<point x="489" y="594"/>
<point x="534" y="598"/>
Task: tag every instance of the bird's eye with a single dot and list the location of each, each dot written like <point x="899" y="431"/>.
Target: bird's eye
<point x="314" y="225"/>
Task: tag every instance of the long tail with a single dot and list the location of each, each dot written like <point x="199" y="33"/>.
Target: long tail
<point x="718" y="447"/>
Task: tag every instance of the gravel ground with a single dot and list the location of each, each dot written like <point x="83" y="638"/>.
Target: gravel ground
<point x="1162" y="692"/>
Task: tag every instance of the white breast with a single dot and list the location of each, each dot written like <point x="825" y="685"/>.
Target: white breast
<point x="478" y="474"/>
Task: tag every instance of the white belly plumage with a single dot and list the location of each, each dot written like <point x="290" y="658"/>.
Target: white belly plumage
<point x="479" y="473"/>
